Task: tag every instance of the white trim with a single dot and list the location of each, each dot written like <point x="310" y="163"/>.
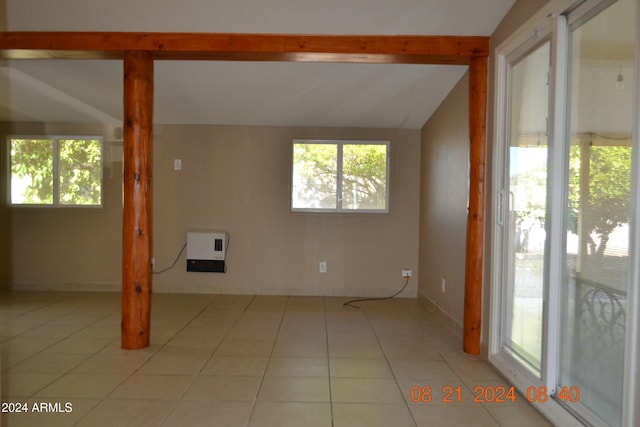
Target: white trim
<point x="538" y="22"/>
<point x="555" y="413"/>
<point x="557" y="195"/>
<point x="504" y="61"/>
<point x="495" y="335"/>
<point x="631" y="384"/>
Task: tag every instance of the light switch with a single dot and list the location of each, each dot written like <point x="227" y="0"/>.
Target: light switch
<point x="177" y="164"/>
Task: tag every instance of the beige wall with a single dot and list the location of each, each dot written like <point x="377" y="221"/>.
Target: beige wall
<point x="5" y="220"/>
<point x="444" y="173"/>
<point x="69" y="248"/>
<point x="5" y="214"/>
<point x="237" y="179"/>
<point x="443" y="203"/>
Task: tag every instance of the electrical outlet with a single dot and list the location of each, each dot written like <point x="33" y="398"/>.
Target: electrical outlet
<point x="406" y="274"/>
<point x="177" y="164"/>
<point x="443" y="284"/>
<point x="323" y="266"/>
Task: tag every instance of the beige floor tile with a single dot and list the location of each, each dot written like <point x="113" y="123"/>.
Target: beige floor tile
<point x="246" y="333"/>
<point x="99" y="331"/>
<point x="451" y="352"/>
<point x="360" y="368"/>
<point x="347" y="335"/>
<point x="352" y="321"/>
<point x="244" y="360"/>
<point x="475" y="370"/>
<point x="215" y="414"/>
<point x="180" y="360"/>
<point x="138" y="413"/>
<point x="407" y="332"/>
<point x="290" y="414"/>
<point x="82" y="386"/>
<point x="208" y="345"/>
<point x="10" y="358"/>
<point x="518" y="416"/>
<point x="230" y="302"/>
<point x="141" y="386"/>
<point x="452" y="415"/>
<point x="16" y="326"/>
<point x="222" y="314"/>
<point x="268" y="302"/>
<point x="259" y="319"/>
<point x="294" y="389"/>
<point x="305" y="303"/>
<point x="365" y="390"/>
<point x="60" y="414"/>
<point x="221" y="322"/>
<point x="115" y="360"/>
<point x="24" y="384"/>
<point x="297" y="367"/>
<point x="29" y="345"/>
<point x="235" y="365"/>
<point x="300" y="349"/>
<point x="50" y="362"/>
<point x="73" y="345"/>
<point x="245" y="348"/>
<point x="311" y="312"/>
<point x="358" y="350"/>
<point x="421" y="369"/>
<point x="199" y="334"/>
<point x="53" y="331"/>
<point x="371" y="415"/>
<point x="223" y="388"/>
<point x="310" y="334"/>
<point x="409" y="349"/>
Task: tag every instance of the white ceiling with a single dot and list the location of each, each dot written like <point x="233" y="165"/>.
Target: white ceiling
<point x="258" y="93"/>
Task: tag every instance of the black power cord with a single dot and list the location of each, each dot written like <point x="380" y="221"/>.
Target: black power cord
<point x="174" y="262"/>
<point x="350" y="303"/>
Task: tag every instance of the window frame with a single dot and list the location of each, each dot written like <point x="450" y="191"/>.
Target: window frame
<point x="340" y="143"/>
<point x="55" y="170"/>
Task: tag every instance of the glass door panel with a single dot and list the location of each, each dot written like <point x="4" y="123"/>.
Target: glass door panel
<point x="527" y="199"/>
<point x="594" y="301"/>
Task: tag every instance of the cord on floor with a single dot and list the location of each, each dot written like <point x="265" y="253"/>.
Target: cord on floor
<point x="350" y="303"/>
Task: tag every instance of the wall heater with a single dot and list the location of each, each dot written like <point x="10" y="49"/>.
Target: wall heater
<point x="206" y="250"/>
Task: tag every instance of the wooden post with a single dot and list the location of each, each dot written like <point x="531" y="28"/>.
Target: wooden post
<point x="136" y="232"/>
<point x="472" y="328"/>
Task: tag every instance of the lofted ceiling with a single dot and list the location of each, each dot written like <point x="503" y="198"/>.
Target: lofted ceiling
<point x="255" y="93"/>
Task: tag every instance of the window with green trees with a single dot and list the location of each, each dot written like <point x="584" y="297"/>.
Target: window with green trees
<point x="340" y="176"/>
<point x="61" y="171"/>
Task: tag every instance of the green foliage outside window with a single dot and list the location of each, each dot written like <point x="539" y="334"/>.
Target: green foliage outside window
<point x="32" y="171"/>
<point x="66" y="172"/>
<point x="609" y="191"/>
<point x="340" y="176"/>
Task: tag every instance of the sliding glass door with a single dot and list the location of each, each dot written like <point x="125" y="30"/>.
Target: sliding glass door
<point x="564" y="279"/>
<point x="526" y="200"/>
<point x="596" y="283"/>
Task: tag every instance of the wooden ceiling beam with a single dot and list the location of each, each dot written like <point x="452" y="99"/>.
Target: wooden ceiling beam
<point x="457" y="50"/>
<point x="140" y="49"/>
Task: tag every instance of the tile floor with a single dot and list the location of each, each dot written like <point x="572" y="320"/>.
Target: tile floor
<point x="224" y="360"/>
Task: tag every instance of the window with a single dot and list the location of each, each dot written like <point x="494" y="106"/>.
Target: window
<point x="340" y="176"/>
<point x="55" y="171"/>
